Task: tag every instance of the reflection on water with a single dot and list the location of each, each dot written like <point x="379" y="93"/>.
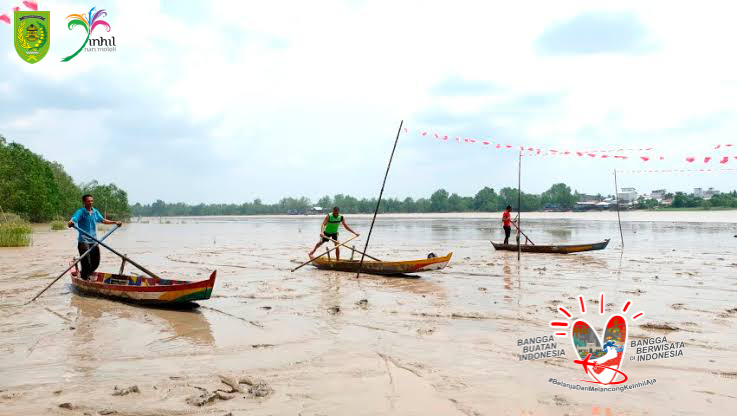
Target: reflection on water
<point x="563" y="234"/>
<point x="189" y="325"/>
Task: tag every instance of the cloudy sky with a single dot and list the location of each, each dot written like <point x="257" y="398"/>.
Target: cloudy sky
<point x="229" y="101"/>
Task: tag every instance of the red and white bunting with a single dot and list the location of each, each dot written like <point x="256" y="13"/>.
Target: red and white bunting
<point x="707" y="170"/>
<point x="631" y="153"/>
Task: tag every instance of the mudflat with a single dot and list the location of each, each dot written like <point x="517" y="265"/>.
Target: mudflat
<point x="272" y="342"/>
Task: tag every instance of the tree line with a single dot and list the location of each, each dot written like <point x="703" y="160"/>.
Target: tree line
<point x="39" y="190"/>
<point x="486" y="200"/>
<point x="722" y="200"/>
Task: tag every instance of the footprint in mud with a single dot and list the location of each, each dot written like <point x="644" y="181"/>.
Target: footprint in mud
<point x="126" y="391"/>
<point x="425" y="331"/>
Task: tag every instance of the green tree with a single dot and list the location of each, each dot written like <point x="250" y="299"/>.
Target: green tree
<point x="439" y="201"/>
<point x="28" y="185"/>
<point x="325" y="202"/>
<point x="559" y="195"/>
<point x="679" y="200"/>
<point x="486" y="200"/>
<point x="111" y="200"/>
<point x="531" y="202"/>
<point x="408" y="205"/>
<point x="507" y="196"/>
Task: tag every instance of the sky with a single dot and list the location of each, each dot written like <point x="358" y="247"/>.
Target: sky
<point x="228" y="101"/>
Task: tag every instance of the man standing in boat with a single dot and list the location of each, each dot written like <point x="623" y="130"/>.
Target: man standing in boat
<point x="86" y="219"/>
<point x="329" y="230"/>
<point x="507" y="223"/>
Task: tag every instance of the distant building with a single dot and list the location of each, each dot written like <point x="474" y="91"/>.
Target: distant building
<point x="706" y="194"/>
<point x="627" y="196"/>
<point x="589" y="198"/>
<point x="658" y="194"/>
<point x="586" y="206"/>
<point x="316" y="210"/>
<point x="710" y="193"/>
<point x="594" y="205"/>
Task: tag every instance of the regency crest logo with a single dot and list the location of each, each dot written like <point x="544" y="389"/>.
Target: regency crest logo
<point x="89" y="23"/>
<point x="31" y="34"/>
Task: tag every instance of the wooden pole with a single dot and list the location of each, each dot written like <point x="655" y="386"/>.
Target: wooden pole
<point x="616" y="198"/>
<point x="315" y="258"/>
<point x="378" y="203"/>
<point x="519" y="205"/>
<point x="519" y="230"/>
<point x="89" y="250"/>
<point x="143" y="269"/>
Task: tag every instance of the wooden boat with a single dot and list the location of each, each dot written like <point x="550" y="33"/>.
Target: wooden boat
<point x="560" y="249"/>
<point x="384" y="267"/>
<point x="142" y="289"/>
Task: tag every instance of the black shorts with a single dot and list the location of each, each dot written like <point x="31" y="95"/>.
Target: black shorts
<point x="334" y="236"/>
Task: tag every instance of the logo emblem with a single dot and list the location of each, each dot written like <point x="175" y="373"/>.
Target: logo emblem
<point x="31" y="35"/>
<point x="601" y="358"/>
<point x="88" y="23"/>
<point x="606" y="357"/>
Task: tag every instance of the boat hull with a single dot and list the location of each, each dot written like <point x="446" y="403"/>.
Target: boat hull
<point x="145" y="290"/>
<point x="557" y="249"/>
<point x="384" y="267"/>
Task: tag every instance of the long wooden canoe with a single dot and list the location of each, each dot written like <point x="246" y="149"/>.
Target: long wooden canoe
<point x="141" y="289"/>
<point x="384" y="267"/>
<point x="560" y="249"/>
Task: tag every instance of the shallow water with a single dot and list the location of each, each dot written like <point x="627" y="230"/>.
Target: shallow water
<point x="442" y="344"/>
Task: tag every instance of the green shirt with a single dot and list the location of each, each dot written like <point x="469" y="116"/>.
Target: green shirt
<point x="333" y="223"/>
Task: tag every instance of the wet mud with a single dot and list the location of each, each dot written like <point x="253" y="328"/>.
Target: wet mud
<point x="273" y="342"/>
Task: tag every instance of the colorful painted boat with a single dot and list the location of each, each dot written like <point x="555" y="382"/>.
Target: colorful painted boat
<point x="384" y="267"/>
<point x="559" y="249"/>
<point x="142" y="289"/>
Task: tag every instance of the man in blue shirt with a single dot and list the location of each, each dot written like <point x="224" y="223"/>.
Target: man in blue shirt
<point x="86" y="219"/>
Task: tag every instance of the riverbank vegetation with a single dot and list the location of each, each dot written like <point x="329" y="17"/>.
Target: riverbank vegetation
<point x="14" y="231"/>
<point x="39" y="190"/>
<point x="485" y="200"/>
<point x="558" y="197"/>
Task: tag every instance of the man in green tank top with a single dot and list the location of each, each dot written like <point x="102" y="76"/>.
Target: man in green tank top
<point x="329" y="230"/>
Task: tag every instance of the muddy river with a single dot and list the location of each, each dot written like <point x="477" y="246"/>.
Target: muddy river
<point x="273" y="342"/>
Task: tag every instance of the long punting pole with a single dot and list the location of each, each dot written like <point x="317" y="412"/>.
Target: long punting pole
<point x="92" y="247"/>
<point x="122" y="256"/>
<point x="519" y="206"/>
<point x="378" y="203"/>
<point x="616" y="198"/>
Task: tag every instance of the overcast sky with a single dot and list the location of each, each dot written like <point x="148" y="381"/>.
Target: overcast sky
<point x="230" y="101"/>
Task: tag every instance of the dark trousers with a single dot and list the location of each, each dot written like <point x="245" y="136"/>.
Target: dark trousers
<point x="507" y="232"/>
<point x="91" y="261"/>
